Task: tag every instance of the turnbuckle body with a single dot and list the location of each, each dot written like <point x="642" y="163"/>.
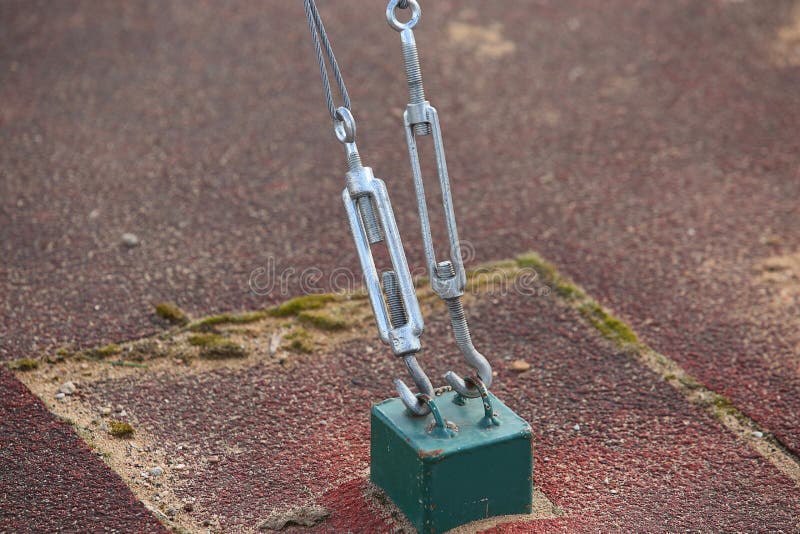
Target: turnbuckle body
<point x="392" y="296"/>
<point x="404" y="338"/>
<point x="447" y="278"/>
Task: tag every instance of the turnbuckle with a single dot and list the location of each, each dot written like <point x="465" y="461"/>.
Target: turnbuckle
<point x="393" y="296"/>
<point x="447" y="278"/>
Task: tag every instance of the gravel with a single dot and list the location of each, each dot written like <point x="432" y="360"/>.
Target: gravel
<point x="520" y="366"/>
<point x="130" y="240"/>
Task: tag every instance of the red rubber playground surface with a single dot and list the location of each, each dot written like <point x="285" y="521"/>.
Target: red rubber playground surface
<point x="648" y="149"/>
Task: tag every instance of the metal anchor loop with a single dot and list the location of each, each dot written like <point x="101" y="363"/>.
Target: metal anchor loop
<point x="489" y="417"/>
<point x="344" y="125"/>
<point x="440" y="428"/>
<point x="416" y="13"/>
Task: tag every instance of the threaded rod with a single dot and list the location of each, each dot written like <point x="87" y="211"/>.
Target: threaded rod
<point x="391" y="288"/>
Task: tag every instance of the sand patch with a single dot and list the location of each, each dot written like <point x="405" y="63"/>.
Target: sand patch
<point x="786" y="47"/>
<point x="485" y="42"/>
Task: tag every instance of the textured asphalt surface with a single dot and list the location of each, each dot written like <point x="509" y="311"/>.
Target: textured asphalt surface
<point x="50" y="481"/>
<point x="641" y="458"/>
<point x="647" y="148"/>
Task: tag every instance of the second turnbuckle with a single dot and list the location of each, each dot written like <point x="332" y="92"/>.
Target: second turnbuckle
<point x="447" y="277"/>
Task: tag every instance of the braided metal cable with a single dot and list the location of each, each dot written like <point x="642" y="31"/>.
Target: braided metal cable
<point x="321" y="41"/>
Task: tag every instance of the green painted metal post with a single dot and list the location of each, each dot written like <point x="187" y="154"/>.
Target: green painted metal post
<point x="483" y="470"/>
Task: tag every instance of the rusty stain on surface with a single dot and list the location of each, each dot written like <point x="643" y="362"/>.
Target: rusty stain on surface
<point x="427" y="454"/>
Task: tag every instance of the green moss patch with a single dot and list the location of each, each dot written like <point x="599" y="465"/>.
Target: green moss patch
<point x="120" y="429"/>
<point x="216" y="347"/>
<point x="608" y="325"/>
<point x="205" y="340"/>
<point x="300" y="340"/>
<point x="208" y="323"/>
<point x="104" y="352"/>
<point x="23" y="364"/>
<point x="531" y="260"/>
<point x="298" y="304"/>
<point x="223" y="350"/>
<point x="171" y="312"/>
<point x="322" y="320"/>
<point x="563" y="286"/>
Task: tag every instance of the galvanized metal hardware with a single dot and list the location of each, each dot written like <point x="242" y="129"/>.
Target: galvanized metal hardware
<point x="392" y="297"/>
<point x="432" y="468"/>
<point x="369" y="212"/>
<point x="447" y="277"/>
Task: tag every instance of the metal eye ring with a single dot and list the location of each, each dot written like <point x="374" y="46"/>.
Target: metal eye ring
<point x="344" y="125"/>
<point x="416" y="13"/>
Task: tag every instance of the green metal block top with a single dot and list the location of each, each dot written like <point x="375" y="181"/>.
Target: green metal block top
<point x="469" y="418"/>
<point x="440" y="482"/>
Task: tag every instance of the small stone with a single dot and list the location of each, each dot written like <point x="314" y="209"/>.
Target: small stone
<point x="120" y="407"/>
<point x="156" y="471"/>
<point x="123" y="413"/>
<point x="757" y="434"/>
<point x="213" y="459"/>
<point x="84" y="365"/>
<point x="613" y="491"/>
<point x="67" y="388"/>
<point x="179" y="467"/>
<point x="156" y="512"/>
<point x="60" y="395"/>
<point x="144" y="474"/>
<point x="520" y="366"/>
<point x="130" y="240"/>
<point x="576" y="428"/>
<point x="305" y="516"/>
<point x="105" y="410"/>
